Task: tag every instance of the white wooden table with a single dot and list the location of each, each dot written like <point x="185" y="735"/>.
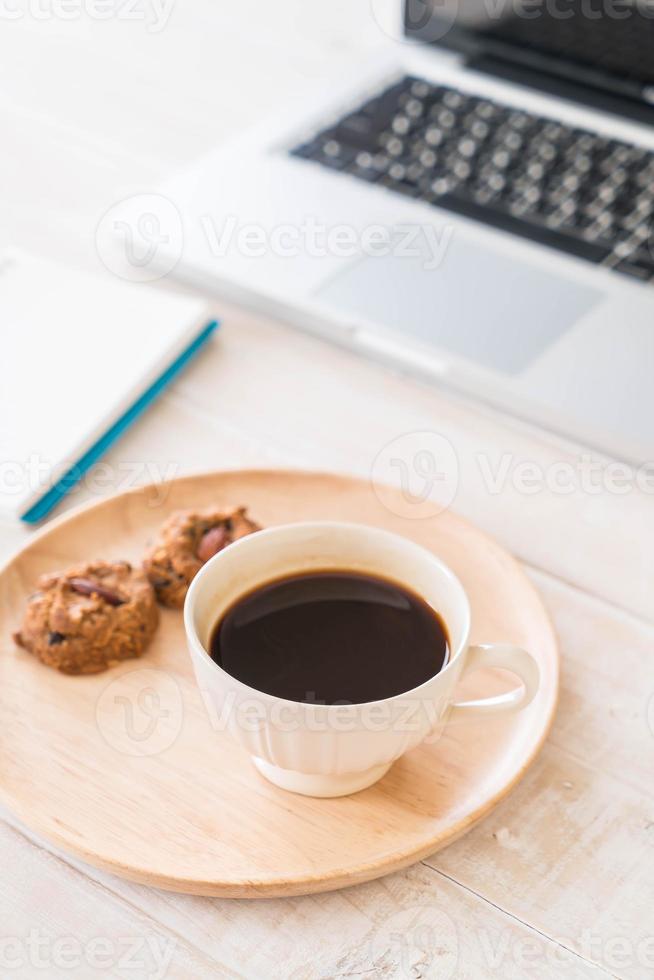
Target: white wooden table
<point x="559" y="880"/>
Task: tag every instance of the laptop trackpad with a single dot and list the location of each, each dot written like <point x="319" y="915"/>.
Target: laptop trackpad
<point x="476" y="303"/>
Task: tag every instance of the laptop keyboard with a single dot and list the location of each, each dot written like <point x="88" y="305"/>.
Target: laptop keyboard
<point x="568" y="188"/>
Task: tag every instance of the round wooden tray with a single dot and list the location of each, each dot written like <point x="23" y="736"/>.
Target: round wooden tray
<point x="129" y="771"/>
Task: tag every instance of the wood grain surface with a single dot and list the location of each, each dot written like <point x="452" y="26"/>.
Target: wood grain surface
<point x="91" y="762"/>
<point x="557" y="881"/>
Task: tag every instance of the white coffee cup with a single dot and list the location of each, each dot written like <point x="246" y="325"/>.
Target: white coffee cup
<point x="332" y="750"/>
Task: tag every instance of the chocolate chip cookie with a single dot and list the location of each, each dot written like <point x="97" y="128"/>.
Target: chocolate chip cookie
<point x="187" y="540"/>
<point x="89" y="617"/>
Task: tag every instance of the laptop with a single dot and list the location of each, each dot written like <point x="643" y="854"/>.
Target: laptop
<point x="474" y="207"/>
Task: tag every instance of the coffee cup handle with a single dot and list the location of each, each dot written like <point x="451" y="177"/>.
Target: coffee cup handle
<point x="508" y="657"/>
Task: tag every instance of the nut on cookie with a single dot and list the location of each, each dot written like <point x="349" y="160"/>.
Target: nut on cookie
<point x="188" y="539"/>
<point x="89" y="617"/>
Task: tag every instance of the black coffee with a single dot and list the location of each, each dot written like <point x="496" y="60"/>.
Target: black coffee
<point x="330" y="637"/>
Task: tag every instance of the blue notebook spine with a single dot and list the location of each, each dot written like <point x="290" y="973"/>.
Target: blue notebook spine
<point x="73" y="475"/>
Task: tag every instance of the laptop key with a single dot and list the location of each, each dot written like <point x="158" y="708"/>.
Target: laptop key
<point x="535" y="231"/>
<point x="357" y="131"/>
<point x="535" y="177"/>
<point x="635" y="271"/>
<point x="639" y="265"/>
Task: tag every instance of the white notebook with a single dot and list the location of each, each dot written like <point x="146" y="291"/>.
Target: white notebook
<point x="81" y="357"/>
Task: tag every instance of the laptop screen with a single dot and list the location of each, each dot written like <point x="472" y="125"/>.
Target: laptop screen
<point x="608" y="44"/>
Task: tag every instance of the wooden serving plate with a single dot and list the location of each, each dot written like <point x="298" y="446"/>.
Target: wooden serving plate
<point x="128" y="771"/>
